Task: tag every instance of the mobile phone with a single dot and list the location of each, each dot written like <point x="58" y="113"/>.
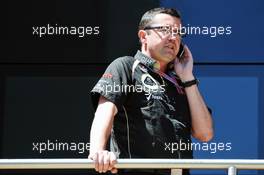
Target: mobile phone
<point x="181" y="52"/>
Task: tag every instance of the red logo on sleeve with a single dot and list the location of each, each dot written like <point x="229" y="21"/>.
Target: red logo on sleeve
<point x="107" y="75"/>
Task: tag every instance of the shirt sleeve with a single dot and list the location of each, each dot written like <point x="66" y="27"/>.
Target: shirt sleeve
<point x="113" y="82"/>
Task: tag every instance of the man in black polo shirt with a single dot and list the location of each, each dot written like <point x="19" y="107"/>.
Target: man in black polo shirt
<point x="149" y="102"/>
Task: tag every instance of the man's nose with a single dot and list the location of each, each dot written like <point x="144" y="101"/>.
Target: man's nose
<point x="173" y="36"/>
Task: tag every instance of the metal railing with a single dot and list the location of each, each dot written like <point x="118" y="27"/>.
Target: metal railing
<point x="232" y="165"/>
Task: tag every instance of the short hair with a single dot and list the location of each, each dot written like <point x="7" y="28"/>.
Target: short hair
<point x="149" y="15"/>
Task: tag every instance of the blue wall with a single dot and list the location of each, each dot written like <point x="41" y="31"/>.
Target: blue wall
<point x="244" y="44"/>
<point x="235" y="95"/>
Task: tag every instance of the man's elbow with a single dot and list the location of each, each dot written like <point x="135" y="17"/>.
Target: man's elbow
<point x="204" y="137"/>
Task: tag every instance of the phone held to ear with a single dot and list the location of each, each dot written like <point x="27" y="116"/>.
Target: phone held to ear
<point x="181" y="52"/>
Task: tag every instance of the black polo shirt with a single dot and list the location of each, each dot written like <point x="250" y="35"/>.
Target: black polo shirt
<point x="153" y="119"/>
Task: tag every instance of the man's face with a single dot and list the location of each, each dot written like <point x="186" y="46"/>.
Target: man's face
<point x="163" y="41"/>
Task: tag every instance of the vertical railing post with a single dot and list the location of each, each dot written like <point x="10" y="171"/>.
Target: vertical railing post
<point x="176" y="171"/>
<point x="232" y="170"/>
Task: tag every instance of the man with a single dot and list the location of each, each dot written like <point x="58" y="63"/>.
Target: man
<point x="150" y="101"/>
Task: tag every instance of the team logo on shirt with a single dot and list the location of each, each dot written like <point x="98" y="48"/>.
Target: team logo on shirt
<point x="151" y="87"/>
<point x="149" y="82"/>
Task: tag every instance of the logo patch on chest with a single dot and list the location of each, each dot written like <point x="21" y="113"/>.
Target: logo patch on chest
<point x="149" y="82"/>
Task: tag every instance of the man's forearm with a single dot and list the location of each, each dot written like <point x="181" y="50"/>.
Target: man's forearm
<point x="98" y="136"/>
<point x="202" y="125"/>
<point x="102" y="125"/>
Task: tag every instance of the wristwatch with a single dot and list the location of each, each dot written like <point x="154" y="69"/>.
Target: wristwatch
<point x="190" y="83"/>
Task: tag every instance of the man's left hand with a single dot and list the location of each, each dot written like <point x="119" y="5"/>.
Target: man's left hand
<point x="184" y="67"/>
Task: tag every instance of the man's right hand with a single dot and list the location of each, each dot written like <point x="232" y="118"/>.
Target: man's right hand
<point x="104" y="161"/>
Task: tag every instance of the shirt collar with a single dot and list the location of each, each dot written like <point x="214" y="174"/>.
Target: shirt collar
<point x="144" y="59"/>
<point x="151" y="63"/>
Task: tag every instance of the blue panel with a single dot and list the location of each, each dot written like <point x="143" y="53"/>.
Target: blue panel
<point x="261" y="122"/>
<point x="234" y="101"/>
<point x="244" y="44"/>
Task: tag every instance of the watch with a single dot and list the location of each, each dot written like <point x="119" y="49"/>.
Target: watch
<point x="190" y="83"/>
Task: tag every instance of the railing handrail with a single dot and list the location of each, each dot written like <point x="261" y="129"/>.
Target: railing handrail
<point x="257" y="164"/>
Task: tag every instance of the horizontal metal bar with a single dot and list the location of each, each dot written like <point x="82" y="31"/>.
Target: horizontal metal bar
<point x="133" y="163"/>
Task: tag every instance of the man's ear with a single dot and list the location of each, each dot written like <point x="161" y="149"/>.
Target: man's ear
<point x="142" y="36"/>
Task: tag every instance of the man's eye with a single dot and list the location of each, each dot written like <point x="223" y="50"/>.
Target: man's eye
<point x="164" y="30"/>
